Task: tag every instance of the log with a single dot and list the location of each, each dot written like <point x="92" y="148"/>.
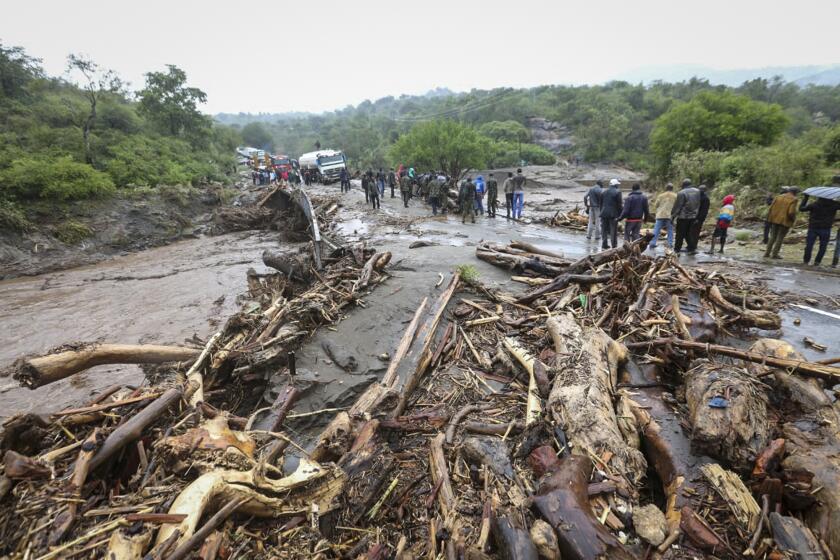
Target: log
<point x="581" y="399"/>
<point x="64" y="521"/>
<point x="195" y="380"/>
<point x="523" y="246"/>
<point x="562" y="499"/>
<point x="801" y="366"/>
<point x="198" y="537"/>
<point x="512" y="541"/>
<point x="793" y="538"/>
<point x="762" y="319"/>
<point x="133" y="428"/>
<point x="534" y="411"/>
<point x="445" y="495"/>
<point x="589" y="262"/>
<point x="42" y="370"/>
<point x="122" y="546"/>
<point x="561" y="282"/>
<point x="737" y="429"/>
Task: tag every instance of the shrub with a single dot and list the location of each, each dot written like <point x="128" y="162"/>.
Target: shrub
<point x="54" y="178"/>
<point x="72" y="232"/>
<point x="507" y="155"/>
<point x="12" y="217"/>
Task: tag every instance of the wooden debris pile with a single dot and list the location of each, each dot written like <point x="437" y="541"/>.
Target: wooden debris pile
<point x="573" y="219"/>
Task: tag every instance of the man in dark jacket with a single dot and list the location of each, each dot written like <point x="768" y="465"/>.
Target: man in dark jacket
<point x="392" y="181"/>
<point x="466" y="196"/>
<point x="697" y="225"/>
<point x="820" y="221"/>
<point x="684" y="213"/>
<point x="635" y="211"/>
<point x="492" y="196"/>
<point x="592" y="201"/>
<point x="610" y="211"/>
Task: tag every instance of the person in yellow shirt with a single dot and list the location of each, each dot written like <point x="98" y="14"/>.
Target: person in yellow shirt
<point x="664" y="204"/>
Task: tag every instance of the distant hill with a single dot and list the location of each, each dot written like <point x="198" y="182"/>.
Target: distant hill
<point x="801" y="75"/>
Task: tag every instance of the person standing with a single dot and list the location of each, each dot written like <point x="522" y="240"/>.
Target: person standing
<point x="492" y="196"/>
<point x="821" y="214"/>
<point x="684" y="213"/>
<point x="380" y="181"/>
<point x="508" y="188"/>
<point x="392" y="181"/>
<point x="664" y="204"/>
<point x="373" y="193"/>
<point x="592" y="201"/>
<point x="697" y="226"/>
<point x="610" y="211"/>
<point x="405" y="187"/>
<point x="434" y="194"/>
<point x="479" y="195"/>
<point x="781" y="216"/>
<point x="518" y="194"/>
<point x="366" y="187"/>
<point x="466" y="196"/>
<point x="767" y="202"/>
<point x="635" y="211"/>
<point x="724" y="220"/>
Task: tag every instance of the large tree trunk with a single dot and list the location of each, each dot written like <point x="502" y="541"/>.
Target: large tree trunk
<point x="35" y="372"/>
<point x="728" y="413"/>
<point x="581" y="398"/>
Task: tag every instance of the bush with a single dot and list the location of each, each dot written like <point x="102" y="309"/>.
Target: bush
<point x="507" y="155"/>
<point x="12" y="217"/>
<point x="701" y="167"/>
<point x="72" y="232"/>
<point x="153" y="161"/>
<point x="56" y="179"/>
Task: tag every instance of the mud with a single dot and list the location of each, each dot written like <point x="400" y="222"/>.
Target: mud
<point x="168" y="294"/>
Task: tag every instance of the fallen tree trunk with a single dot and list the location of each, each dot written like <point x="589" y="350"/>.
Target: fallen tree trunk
<point x="802" y="366"/>
<point x="581" y="398"/>
<point x="40" y="371"/>
<point x="563" y="500"/>
<point x="727" y="410"/>
<point x="589" y="262"/>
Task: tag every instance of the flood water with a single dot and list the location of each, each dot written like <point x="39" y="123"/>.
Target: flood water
<point x="159" y="296"/>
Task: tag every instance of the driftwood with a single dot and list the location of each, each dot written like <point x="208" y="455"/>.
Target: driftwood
<point x="40" y="371"/>
<point x="513" y="541"/>
<point x="581" y="395"/>
<point x="563" y="501"/>
<point x="793" y="538"/>
<point x="728" y="414"/>
<point x="589" y="262"/>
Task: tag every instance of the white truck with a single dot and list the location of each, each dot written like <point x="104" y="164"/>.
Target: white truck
<point x="326" y="165"/>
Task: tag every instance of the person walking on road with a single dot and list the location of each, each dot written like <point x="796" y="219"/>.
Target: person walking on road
<point x="392" y="181"/>
<point x="821" y="214"/>
<point x="724" y="220"/>
<point x="635" y="212"/>
<point x="373" y="193"/>
<point x="434" y="194"/>
<point x="508" y="188"/>
<point x="366" y="187"/>
<point x="492" y="196"/>
<point x="466" y="196"/>
<point x="345" y="181"/>
<point x="664" y="204"/>
<point x="518" y="194"/>
<point x="702" y="214"/>
<point x="684" y="212"/>
<point x="479" y="195"/>
<point x="405" y="188"/>
<point x="592" y="201"/>
<point x="611" y="207"/>
<point x="781" y="216"/>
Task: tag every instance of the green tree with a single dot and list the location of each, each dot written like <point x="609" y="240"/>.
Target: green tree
<point x="257" y="135"/>
<point x="832" y="146"/>
<point x="716" y="121"/>
<point x="95" y="82"/>
<point x="508" y="131"/>
<point x="171" y="105"/>
<point x="448" y="145"/>
<point x="16" y="70"/>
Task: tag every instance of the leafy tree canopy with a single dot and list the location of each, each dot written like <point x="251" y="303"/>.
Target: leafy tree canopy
<point x="172" y="105"/>
<point x="444" y="144"/>
<point x="255" y="134"/>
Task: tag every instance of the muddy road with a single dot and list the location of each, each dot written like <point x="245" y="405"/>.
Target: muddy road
<point x="169" y="294"/>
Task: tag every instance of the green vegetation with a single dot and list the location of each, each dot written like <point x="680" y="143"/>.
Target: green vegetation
<point x="469" y="273"/>
<point x="72" y="232"/>
<point x="83" y="135"/>
<point x="443" y="144"/>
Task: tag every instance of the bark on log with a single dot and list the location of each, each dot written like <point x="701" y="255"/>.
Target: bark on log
<point x="761" y="318"/>
<point x="563" y="500"/>
<point x="122" y="546"/>
<point x="728" y="414"/>
<point x="512" y="541"/>
<point x="581" y="396"/>
<point x="794" y="539"/>
<point x="42" y="370"/>
<point x="523" y="246"/>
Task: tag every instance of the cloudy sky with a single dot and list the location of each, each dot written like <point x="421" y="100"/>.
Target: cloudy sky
<point x="310" y="55"/>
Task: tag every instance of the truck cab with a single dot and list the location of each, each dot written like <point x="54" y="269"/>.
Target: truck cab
<point x="325" y="164"/>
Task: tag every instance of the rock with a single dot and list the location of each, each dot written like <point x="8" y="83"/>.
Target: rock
<point x="545" y="540"/>
<point x="422" y="243"/>
<point x="492" y="452"/>
<point x="650" y="524"/>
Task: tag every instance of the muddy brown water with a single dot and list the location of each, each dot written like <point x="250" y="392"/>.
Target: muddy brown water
<point x="163" y="296"/>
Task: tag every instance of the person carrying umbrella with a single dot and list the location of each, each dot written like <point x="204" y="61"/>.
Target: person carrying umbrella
<point x="822" y="213"/>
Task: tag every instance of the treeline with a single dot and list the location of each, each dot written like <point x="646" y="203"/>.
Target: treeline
<point x="83" y="134"/>
<point x="667" y="129"/>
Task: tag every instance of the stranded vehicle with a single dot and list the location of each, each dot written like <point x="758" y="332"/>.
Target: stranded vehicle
<point x="283" y="163"/>
<point x="326" y="164"/>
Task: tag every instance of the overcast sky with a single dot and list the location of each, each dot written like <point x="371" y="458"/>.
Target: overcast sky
<point x="315" y="55"/>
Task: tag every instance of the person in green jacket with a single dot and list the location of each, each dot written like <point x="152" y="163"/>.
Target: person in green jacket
<point x="466" y="196"/>
<point x="405" y="188"/>
<point x="434" y="194"/>
<point x="508" y="188"/>
<point x="492" y="196"/>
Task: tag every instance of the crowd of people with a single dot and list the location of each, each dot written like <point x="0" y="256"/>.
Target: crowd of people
<point x="683" y="214"/>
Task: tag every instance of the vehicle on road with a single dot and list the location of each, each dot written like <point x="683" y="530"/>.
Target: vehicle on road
<point x="325" y="164"/>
